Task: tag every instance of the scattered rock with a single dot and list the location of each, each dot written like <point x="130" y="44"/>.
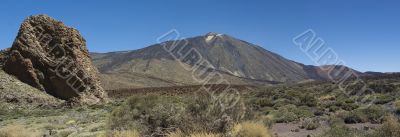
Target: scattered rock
<point x="53" y="57"/>
<point x="3" y="56"/>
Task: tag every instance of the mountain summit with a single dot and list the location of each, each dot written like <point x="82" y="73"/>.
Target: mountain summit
<point x="239" y="62"/>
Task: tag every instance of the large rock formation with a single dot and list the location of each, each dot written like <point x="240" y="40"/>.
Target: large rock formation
<point x="52" y="57"/>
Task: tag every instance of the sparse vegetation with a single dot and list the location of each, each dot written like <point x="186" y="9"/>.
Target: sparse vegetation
<point x="162" y="115"/>
<point x="183" y="114"/>
<point x="390" y="128"/>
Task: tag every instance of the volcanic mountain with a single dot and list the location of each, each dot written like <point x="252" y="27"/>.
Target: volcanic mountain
<point x="236" y="61"/>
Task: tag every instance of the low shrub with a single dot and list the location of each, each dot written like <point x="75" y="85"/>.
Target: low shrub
<point x="355" y="117"/>
<point x="382" y="88"/>
<point x="285" y="117"/>
<point x="349" y="106"/>
<point x="373" y="114"/>
<point x="264" y="102"/>
<point x="149" y="114"/>
<point x="342" y="131"/>
<point x="280" y="103"/>
<point x="390" y="128"/>
<point x="210" y="116"/>
<point x="383" y="98"/>
<point x="308" y="100"/>
<point x="333" y="108"/>
<point x="290" y="113"/>
<point x="319" y="112"/>
<point x="159" y="115"/>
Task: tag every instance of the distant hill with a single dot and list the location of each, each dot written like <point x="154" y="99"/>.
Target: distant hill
<point x="238" y="61"/>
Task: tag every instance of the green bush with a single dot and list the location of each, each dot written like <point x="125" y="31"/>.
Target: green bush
<point x="208" y="115"/>
<point x="149" y="113"/>
<point x="382" y="88"/>
<point x="161" y="114"/>
<point x="390" y="128"/>
<point x="264" y="102"/>
<point x="280" y="103"/>
<point x="373" y="114"/>
<point x="383" y="98"/>
<point x="342" y="131"/>
<point x="355" y="117"/>
<point x="349" y="106"/>
<point x="291" y="113"/>
<point x="333" y="108"/>
<point x="308" y="100"/>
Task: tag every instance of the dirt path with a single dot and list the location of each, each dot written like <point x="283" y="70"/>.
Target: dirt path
<point x="289" y="129"/>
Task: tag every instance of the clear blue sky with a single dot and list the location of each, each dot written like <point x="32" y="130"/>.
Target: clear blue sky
<point x="364" y="33"/>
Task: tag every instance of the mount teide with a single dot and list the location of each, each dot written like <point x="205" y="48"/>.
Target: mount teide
<point x="238" y="61"/>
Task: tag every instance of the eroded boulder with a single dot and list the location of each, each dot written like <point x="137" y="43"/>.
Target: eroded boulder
<point x="52" y="57"/>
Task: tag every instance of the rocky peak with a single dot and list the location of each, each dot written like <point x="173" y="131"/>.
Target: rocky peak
<point x="52" y="57"/>
<point x="211" y="36"/>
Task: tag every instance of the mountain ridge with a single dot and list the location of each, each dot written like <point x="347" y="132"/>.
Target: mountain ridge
<point x="239" y="61"/>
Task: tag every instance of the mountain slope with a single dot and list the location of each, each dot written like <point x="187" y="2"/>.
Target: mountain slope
<point x="238" y="62"/>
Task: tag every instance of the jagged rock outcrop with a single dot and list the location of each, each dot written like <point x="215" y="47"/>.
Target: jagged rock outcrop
<point x="52" y="57"/>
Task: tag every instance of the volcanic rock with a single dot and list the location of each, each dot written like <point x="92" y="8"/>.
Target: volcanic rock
<point x="52" y="57"/>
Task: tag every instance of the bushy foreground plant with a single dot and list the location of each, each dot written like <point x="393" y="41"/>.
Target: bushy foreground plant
<point x="290" y="113"/>
<point x="343" y="131"/>
<point x="149" y="114"/>
<point x="160" y="115"/>
<point x="390" y="128"/>
<point x="373" y="114"/>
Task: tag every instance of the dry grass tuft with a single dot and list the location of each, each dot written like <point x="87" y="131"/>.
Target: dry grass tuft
<point x="199" y="134"/>
<point x="124" y="133"/>
<point x="250" y="129"/>
<point x="17" y="131"/>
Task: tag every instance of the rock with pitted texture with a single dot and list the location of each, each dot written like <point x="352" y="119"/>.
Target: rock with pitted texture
<point x="52" y="57"/>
